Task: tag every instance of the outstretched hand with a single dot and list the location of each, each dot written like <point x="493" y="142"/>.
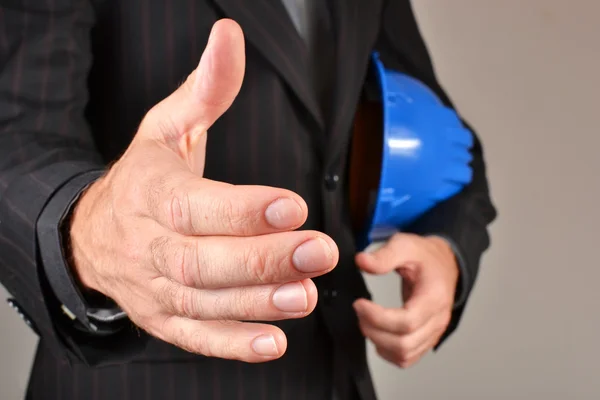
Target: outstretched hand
<point x="187" y="258"/>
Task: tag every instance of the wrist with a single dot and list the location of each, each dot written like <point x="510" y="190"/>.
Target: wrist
<point x="67" y="279"/>
<point x="445" y="248"/>
<point x="79" y="229"/>
<point x="459" y="268"/>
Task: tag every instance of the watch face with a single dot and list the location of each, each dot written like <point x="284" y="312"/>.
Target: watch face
<point x="106" y="315"/>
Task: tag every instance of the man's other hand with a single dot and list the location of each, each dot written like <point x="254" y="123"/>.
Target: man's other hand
<point x="429" y="274"/>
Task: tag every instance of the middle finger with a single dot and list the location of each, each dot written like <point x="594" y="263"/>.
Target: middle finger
<point x="222" y="261"/>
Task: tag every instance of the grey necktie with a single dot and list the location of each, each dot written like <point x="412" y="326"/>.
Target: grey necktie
<point x="313" y="22"/>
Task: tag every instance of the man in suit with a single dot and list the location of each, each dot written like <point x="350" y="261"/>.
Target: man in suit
<point x="139" y="247"/>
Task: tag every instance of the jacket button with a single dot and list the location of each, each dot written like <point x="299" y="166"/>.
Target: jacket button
<point x="329" y="295"/>
<point x="331" y="181"/>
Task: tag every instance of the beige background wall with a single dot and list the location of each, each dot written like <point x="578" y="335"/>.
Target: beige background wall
<point x="525" y="73"/>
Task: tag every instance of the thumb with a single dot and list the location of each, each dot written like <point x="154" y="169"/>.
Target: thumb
<point x="398" y="253"/>
<point x="182" y="119"/>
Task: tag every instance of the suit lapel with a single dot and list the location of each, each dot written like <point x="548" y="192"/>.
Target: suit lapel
<point x="356" y="25"/>
<point x="267" y="26"/>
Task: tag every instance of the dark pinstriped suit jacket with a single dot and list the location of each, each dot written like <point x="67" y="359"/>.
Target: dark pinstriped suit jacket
<point x="76" y="77"/>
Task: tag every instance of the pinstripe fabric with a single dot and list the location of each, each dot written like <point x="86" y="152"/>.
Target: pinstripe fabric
<point x="76" y="77"/>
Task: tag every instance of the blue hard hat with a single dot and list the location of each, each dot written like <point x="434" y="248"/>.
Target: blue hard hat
<point x="425" y="156"/>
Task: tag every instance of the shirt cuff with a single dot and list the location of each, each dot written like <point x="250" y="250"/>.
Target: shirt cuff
<point x="463" y="275"/>
<point x="52" y="247"/>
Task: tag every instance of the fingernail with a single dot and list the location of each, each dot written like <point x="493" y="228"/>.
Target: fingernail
<point x="283" y="213"/>
<point x="291" y="297"/>
<point x="312" y="256"/>
<point x="265" y="346"/>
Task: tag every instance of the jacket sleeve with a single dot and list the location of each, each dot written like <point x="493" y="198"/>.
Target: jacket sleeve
<point x="45" y="144"/>
<point x="464" y="218"/>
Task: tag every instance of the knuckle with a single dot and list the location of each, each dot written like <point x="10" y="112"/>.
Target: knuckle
<point x="229" y="345"/>
<point x="401" y="359"/>
<point x="200" y="267"/>
<point x="178" y="205"/>
<point x="221" y="308"/>
<point x="223" y="207"/>
<point x="170" y="258"/>
<point x="409" y="243"/>
<point x="159" y="254"/>
<point x="235" y="215"/>
<point x="228" y="211"/>
<point x="239" y="306"/>
<point x="188" y="306"/>
<point x="413" y="244"/>
<point x="258" y="262"/>
<point x="375" y="319"/>
<point x="233" y="306"/>
<point x="164" y="197"/>
<point x="201" y="343"/>
<point x="205" y="272"/>
<point x="177" y="261"/>
<point x="171" y="298"/>
<point x="198" y="342"/>
<point x="411" y="324"/>
<point x="184" y="263"/>
<point x="401" y="348"/>
<point x="249" y="305"/>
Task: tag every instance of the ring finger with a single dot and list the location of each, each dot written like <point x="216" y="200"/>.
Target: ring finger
<point x="401" y="346"/>
<point x="250" y="303"/>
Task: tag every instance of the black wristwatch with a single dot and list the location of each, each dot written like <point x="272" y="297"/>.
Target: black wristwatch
<point x="91" y="312"/>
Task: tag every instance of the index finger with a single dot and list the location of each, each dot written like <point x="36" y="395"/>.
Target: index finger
<point x="200" y="207"/>
<point x="394" y="320"/>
